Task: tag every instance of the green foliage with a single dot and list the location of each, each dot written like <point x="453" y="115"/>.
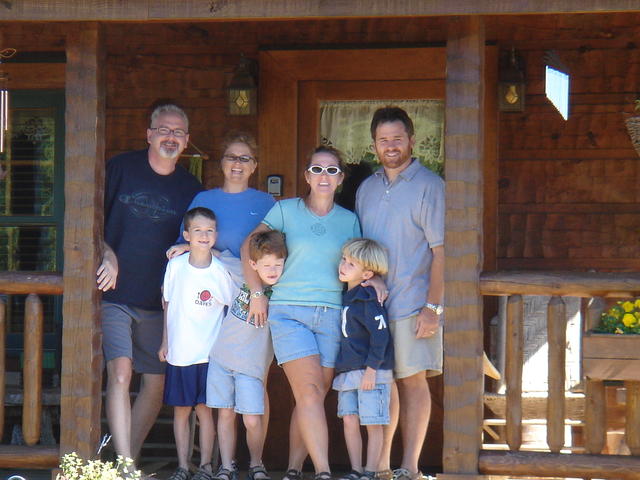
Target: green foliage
<point x="622" y="318"/>
<point x="75" y="468"/>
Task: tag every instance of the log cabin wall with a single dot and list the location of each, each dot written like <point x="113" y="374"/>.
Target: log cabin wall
<point x="568" y="191"/>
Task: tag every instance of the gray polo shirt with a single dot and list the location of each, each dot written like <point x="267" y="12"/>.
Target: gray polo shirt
<point x="407" y="217"/>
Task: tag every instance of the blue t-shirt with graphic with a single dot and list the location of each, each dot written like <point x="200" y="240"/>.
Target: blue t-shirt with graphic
<point x="314" y="243"/>
<point x="142" y="212"/>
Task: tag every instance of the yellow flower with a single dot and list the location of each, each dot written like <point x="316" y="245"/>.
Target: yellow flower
<point x="628" y="306"/>
<point x="618" y="331"/>
<point x="637" y="303"/>
<point x="629" y="320"/>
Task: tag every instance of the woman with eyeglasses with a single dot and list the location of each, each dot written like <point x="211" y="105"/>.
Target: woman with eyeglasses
<point x="238" y="209"/>
<point x="304" y="309"/>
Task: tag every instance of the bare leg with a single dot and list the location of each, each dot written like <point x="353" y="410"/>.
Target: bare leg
<point x="118" y="404"/>
<point x="353" y="439"/>
<point x="308" y="383"/>
<point x="145" y="409"/>
<point x="181" y="434"/>
<point x="375" y="438"/>
<point x="207" y="435"/>
<point x="255" y="438"/>
<point x="415" y="410"/>
<point x="227" y="436"/>
<point x="389" y="430"/>
<point x="297" y="450"/>
<point x="267" y="411"/>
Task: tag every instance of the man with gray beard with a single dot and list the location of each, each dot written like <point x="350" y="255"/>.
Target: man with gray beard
<point x="146" y="195"/>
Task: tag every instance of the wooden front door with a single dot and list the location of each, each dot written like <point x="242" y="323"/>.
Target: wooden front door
<point x="292" y="85"/>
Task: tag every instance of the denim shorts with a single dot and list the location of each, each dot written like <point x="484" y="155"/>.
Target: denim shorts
<point x="185" y="386"/>
<point x="229" y="389"/>
<point x="372" y="406"/>
<point x="300" y="331"/>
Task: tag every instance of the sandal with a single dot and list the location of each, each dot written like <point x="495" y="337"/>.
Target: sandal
<point x="293" y="474"/>
<point x="323" y="476"/>
<point x="224" y="474"/>
<point x="203" y="473"/>
<point x="352" y="475"/>
<point x="384" y="475"/>
<point x="367" y="475"/>
<point x="404" y="474"/>
<point x="258" y="470"/>
<point x="180" y="474"/>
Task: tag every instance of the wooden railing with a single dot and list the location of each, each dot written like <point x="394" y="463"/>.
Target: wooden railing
<point x="33" y="284"/>
<point x="591" y="286"/>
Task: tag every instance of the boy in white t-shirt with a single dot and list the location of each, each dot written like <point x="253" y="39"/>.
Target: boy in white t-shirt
<point x="196" y="289"/>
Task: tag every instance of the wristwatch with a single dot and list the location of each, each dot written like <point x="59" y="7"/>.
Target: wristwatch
<point x="435" y="307"/>
<point x="257" y="294"/>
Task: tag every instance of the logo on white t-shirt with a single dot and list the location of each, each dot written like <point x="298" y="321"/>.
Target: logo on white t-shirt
<point x="204" y="298"/>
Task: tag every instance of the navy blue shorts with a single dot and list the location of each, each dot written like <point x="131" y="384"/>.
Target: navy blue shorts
<point x="186" y="386"/>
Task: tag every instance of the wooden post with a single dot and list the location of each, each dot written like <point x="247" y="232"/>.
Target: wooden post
<point x="464" y="114"/>
<point x="557" y="340"/>
<point x="83" y="224"/>
<point x="594" y="416"/>
<point x="595" y="402"/>
<point x="32" y="370"/>
<point x="513" y="370"/>
<point x="633" y="417"/>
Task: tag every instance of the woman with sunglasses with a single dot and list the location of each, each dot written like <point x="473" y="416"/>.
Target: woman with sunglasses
<point x="238" y="209"/>
<point x="304" y="309"/>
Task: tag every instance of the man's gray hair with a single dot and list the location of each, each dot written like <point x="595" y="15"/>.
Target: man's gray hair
<point x="170" y="109"/>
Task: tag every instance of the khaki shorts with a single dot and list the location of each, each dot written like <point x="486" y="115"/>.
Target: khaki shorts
<point x="413" y="355"/>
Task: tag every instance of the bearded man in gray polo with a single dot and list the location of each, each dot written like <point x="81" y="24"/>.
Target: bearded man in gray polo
<point x="402" y="207"/>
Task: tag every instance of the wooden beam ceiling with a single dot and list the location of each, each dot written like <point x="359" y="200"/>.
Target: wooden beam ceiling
<point x="172" y="10"/>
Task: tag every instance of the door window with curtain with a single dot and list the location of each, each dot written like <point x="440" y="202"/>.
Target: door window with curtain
<point x="32" y="214"/>
<point x="345" y="125"/>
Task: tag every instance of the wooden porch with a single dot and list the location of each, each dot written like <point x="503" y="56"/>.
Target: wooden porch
<point x="99" y="83"/>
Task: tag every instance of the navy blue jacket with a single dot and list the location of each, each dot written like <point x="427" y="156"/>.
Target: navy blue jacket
<point x="366" y="339"/>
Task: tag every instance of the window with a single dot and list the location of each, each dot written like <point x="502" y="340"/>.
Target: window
<point x="32" y="209"/>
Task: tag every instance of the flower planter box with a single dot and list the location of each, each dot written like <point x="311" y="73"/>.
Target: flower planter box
<point x="608" y="356"/>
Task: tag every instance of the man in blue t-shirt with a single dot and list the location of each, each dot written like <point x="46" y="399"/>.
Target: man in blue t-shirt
<point x="146" y="195"/>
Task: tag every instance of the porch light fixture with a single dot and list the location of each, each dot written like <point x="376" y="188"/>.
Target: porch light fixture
<point x="4" y="97"/>
<point x="243" y="90"/>
<point x="511" y="82"/>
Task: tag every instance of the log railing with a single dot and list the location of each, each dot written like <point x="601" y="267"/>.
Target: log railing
<point x="591" y="286"/>
<point x="33" y="284"/>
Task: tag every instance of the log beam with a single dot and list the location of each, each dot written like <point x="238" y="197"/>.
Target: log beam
<point x="20" y="456"/>
<point x="574" y="465"/>
<point x="574" y="284"/>
<point x="464" y="147"/>
<point x="155" y="10"/>
<point x="83" y="225"/>
<point x="24" y="283"/>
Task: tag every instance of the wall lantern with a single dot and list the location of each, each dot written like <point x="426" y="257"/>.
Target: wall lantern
<point x="511" y="82"/>
<point x="243" y="90"/>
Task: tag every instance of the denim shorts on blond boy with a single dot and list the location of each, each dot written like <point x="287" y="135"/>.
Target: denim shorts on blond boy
<point x="300" y="331"/>
<point x="371" y="406"/>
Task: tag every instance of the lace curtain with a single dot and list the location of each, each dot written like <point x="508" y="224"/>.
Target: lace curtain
<point x="345" y="125"/>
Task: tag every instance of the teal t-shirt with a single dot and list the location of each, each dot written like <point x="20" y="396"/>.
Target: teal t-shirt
<point x="315" y="244"/>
